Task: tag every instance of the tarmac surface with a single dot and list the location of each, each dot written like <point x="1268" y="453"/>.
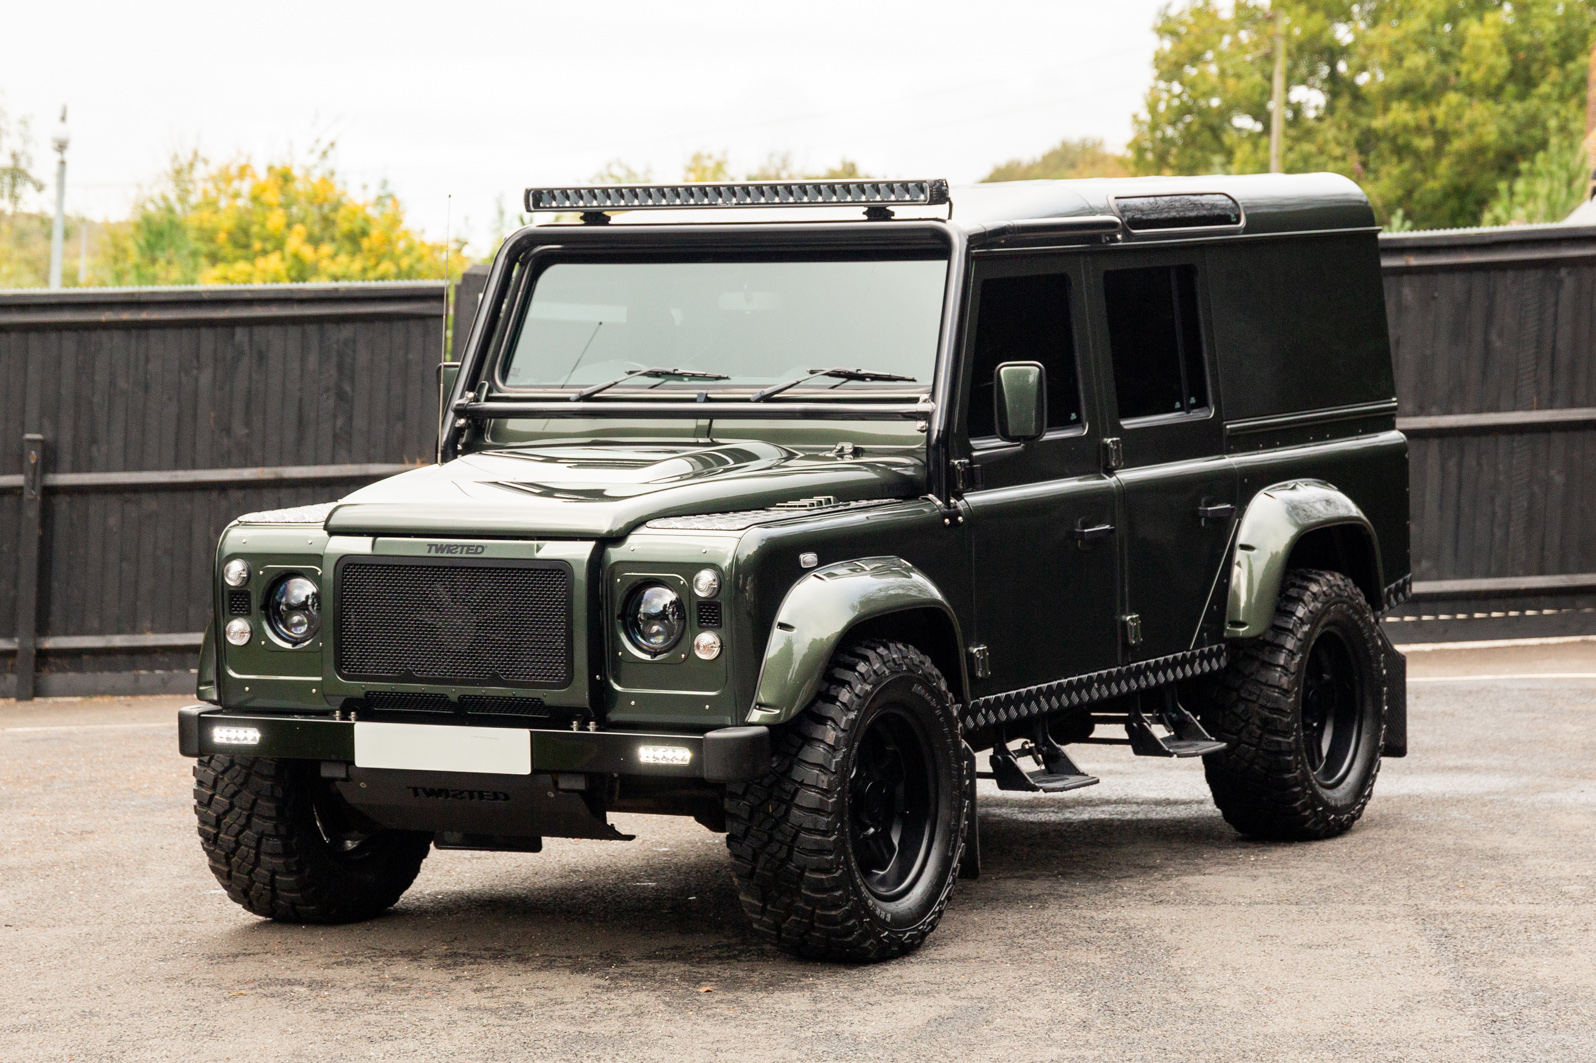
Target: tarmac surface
<point x="1123" y="922"/>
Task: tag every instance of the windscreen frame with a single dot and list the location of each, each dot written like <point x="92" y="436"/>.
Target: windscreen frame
<point x="541" y="259"/>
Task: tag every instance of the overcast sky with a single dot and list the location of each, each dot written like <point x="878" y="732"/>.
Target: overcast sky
<point x="480" y="99"/>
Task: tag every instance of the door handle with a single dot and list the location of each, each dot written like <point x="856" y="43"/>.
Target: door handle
<point x="1215" y="511"/>
<point x="1083" y="533"/>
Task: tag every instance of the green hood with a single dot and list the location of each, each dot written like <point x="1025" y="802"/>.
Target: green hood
<point x="600" y="491"/>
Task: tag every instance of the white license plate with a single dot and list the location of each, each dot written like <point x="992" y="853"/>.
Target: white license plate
<point x="429" y="747"/>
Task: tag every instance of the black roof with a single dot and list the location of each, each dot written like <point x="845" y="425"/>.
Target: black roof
<point x="1270" y="203"/>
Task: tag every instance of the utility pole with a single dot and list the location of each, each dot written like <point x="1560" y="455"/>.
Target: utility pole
<point x="58" y="230"/>
<point x="1590" y="122"/>
<point x="1277" y="118"/>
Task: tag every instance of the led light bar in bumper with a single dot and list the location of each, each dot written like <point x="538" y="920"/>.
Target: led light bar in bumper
<point x="740" y="194"/>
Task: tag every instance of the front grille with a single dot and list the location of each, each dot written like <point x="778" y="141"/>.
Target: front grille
<point x="238" y="603"/>
<point x="709" y="614"/>
<point x="496" y="706"/>
<point x="486" y="623"/>
<point x="408" y="701"/>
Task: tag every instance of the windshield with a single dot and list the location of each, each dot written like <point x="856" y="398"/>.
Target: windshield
<point x="755" y="323"/>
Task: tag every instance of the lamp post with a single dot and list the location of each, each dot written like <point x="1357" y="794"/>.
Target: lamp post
<point x="58" y="230"/>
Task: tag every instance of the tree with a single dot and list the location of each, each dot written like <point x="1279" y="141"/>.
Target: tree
<point x="1068" y="159"/>
<point x="1547" y="188"/>
<point x="1429" y="104"/>
<point x="17" y="180"/>
<point x="706" y="166"/>
<point x="239" y="224"/>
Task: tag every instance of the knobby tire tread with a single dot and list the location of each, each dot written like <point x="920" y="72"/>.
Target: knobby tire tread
<point x="1262" y="784"/>
<point x="252" y="825"/>
<point x="789" y="843"/>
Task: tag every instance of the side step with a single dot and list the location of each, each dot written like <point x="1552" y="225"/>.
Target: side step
<point x="1058" y="772"/>
<point x="1186" y="738"/>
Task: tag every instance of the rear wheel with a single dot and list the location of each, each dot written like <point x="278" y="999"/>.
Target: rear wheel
<point x="285" y="846"/>
<point x="849" y="848"/>
<point x="1302" y="707"/>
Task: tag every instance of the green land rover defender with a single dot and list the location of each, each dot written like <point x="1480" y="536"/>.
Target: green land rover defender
<point x="799" y="507"/>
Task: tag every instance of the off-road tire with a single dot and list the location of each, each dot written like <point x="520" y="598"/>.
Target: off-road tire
<point x="1264" y="783"/>
<point x="789" y="833"/>
<point x="258" y="825"/>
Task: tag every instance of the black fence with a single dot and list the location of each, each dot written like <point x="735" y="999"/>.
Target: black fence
<point x="134" y="424"/>
<point x="1494" y="336"/>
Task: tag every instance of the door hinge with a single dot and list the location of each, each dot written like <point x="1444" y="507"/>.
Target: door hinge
<point x="980" y="662"/>
<point x="1132" y="623"/>
<point x="1113" y="454"/>
<point x="966" y="475"/>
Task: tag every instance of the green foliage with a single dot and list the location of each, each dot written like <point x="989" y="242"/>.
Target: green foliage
<point x="17" y="179"/>
<point x="236" y="224"/>
<point x="706" y="166"/>
<point x="616" y="172"/>
<point x="1548" y="187"/>
<point x="1068" y="159"/>
<point x="778" y="166"/>
<point x="1428" y="104"/>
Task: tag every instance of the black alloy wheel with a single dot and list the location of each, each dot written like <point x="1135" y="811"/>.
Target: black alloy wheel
<point x="889" y="802"/>
<point x="1332" y="716"/>
<point x="849" y="848"/>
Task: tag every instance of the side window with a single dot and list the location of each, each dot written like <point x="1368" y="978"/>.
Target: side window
<point x="1155" y="340"/>
<point x="1025" y="319"/>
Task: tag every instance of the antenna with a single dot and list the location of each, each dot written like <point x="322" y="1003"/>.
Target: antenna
<point x="448" y="286"/>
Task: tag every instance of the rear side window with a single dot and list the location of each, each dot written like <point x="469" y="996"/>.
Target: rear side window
<point x="1025" y="319"/>
<point x="1155" y="340"/>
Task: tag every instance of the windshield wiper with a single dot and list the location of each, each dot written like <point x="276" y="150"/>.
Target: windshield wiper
<point x="839" y="374"/>
<point x="685" y="374"/>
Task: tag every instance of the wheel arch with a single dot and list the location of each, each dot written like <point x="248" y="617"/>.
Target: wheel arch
<point x="883" y="597"/>
<point x="1299" y="523"/>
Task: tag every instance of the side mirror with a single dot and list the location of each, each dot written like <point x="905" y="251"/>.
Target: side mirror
<point x="1020" y="391"/>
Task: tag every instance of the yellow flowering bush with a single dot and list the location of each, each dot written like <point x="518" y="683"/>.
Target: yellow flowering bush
<point x="239" y="224"/>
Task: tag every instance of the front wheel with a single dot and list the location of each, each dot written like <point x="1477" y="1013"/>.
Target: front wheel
<point x="285" y="846"/>
<point x="849" y="848"/>
<point x="1302" y="707"/>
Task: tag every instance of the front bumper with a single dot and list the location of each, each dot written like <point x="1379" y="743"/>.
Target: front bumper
<point x="730" y="754"/>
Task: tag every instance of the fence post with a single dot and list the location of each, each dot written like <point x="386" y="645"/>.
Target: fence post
<point x="30" y="543"/>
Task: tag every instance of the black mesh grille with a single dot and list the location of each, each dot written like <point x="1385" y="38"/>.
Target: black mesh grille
<point x="709" y="614"/>
<point x="501" y="706"/>
<point x="491" y="624"/>
<point x="238" y="603"/>
<point x="408" y="701"/>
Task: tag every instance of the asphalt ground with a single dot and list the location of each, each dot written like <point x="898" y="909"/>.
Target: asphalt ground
<point x="1123" y="922"/>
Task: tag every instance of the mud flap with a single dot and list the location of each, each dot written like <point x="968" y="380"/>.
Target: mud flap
<point x="1396" y="699"/>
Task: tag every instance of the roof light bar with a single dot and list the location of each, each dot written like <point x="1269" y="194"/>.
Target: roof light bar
<point x="739" y="194"/>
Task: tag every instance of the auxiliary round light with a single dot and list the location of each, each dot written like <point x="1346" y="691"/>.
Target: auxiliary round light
<point x="236" y="572"/>
<point x="706" y="583"/>
<point x="655" y="618"/>
<point x="238" y="632"/>
<point x="707" y="645"/>
<point x="293" y="609"/>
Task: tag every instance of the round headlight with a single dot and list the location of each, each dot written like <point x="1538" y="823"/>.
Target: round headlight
<point x="706" y="584"/>
<point x="707" y="645"/>
<point x="238" y="632"/>
<point x="236" y="572"/>
<point x="293" y="609"/>
<point x="655" y="618"/>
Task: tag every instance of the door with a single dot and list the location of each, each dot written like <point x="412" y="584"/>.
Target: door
<point x="1177" y="502"/>
<point x="1041" y="513"/>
